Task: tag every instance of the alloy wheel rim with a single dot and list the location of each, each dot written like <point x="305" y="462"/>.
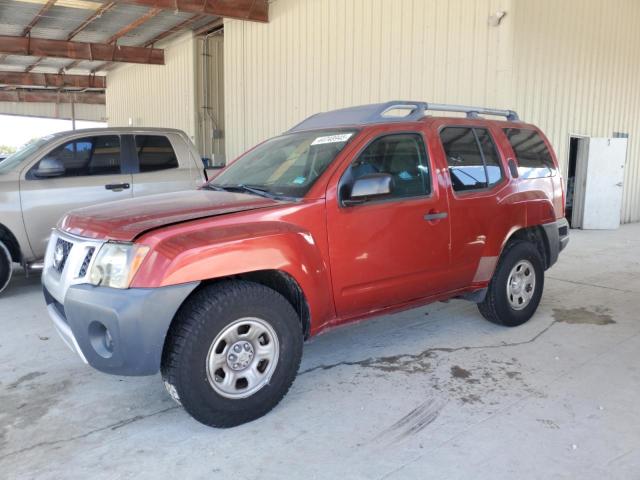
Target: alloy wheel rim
<point x="242" y="358"/>
<point x="521" y="284"/>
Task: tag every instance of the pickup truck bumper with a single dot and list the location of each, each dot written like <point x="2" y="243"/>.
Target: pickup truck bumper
<point x="120" y="332"/>
<point x="558" y="237"/>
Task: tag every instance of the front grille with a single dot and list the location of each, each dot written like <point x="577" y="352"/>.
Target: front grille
<point x="61" y="254"/>
<point x="56" y="304"/>
<point x="86" y="262"/>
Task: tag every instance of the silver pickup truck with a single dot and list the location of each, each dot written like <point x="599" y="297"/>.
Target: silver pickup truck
<point x="68" y="170"/>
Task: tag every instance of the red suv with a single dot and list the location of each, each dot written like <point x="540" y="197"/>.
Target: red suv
<point x="352" y="213"/>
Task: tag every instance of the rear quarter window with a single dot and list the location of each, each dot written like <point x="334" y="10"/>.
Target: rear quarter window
<point x="532" y="154"/>
<point x="155" y="153"/>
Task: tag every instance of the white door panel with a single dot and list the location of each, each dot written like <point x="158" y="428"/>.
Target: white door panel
<point x="603" y="183"/>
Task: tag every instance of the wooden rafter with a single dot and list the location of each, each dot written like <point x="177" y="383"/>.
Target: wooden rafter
<point x="253" y="10"/>
<point x="52" y="80"/>
<point x="52" y="97"/>
<point x="41" y="47"/>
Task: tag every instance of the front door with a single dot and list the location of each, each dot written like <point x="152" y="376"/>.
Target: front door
<point x="392" y="250"/>
<point x="90" y="174"/>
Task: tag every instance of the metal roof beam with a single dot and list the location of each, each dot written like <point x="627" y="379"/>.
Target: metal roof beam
<point x="45" y="8"/>
<point x="52" y="97"/>
<point x="176" y="28"/>
<point x="52" y="80"/>
<point x="122" y="32"/>
<point x="252" y="10"/>
<point x="87" y="21"/>
<point x="40" y="47"/>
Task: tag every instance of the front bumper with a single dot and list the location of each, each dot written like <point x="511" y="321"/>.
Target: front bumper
<point x="121" y="332"/>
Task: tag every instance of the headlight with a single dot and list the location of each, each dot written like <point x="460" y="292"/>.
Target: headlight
<point x="116" y="264"/>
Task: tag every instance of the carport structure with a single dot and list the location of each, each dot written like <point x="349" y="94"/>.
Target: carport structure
<point x="58" y="51"/>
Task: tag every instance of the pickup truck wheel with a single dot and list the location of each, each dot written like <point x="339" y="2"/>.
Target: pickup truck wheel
<point x="232" y="353"/>
<point x="516" y="286"/>
<point x="6" y="266"/>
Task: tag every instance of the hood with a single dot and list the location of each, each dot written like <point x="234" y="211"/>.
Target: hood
<point x="124" y="220"/>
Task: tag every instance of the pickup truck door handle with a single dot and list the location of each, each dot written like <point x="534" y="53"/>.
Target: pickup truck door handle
<point x="432" y="216"/>
<point x="117" y="187"/>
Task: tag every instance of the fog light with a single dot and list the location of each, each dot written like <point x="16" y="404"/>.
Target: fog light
<point x="101" y="339"/>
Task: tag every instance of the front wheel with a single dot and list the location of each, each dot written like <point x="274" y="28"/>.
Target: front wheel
<point x="232" y="353"/>
<point x="516" y="286"/>
<point x="6" y="266"/>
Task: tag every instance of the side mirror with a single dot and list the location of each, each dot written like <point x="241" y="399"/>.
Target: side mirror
<point x="49" y="167"/>
<point x="369" y="186"/>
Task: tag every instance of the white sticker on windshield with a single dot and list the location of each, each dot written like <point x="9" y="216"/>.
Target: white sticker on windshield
<point x="332" y="139"/>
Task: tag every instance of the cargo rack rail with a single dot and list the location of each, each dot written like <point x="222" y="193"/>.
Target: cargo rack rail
<point x="394" y="111"/>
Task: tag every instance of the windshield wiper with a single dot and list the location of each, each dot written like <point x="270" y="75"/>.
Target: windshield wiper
<point x="254" y="189"/>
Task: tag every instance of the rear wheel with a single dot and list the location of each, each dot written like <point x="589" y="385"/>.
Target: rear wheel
<point x="516" y="286"/>
<point x="232" y="353"/>
<point x="6" y="266"/>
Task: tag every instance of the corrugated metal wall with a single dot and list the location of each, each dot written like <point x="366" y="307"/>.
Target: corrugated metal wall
<point x="156" y="96"/>
<point x="316" y="55"/>
<point x="93" y="113"/>
<point x="210" y="134"/>
<point x="570" y="66"/>
<point x="577" y="71"/>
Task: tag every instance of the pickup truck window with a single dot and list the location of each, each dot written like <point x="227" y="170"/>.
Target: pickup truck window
<point x="22" y="154"/>
<point x="287" y="165"/>
<point x="534" y="159"/>
<point x="155" y="153"/>
<point x="472" y="158"/>
<point x="403" y="156"/>
<point x="99" y="155"/>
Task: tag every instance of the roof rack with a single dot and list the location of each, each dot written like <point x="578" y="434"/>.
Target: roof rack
<point x="392" y="112"/>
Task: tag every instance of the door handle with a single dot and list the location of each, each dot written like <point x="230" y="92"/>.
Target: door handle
<point x="432" y="216"/>
<point x="117" y="187"/>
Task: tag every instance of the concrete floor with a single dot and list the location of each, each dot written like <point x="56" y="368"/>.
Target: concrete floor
<point x="435" y="392"/>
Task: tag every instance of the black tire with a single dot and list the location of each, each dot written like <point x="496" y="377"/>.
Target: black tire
<point x="496" y="306"/>
<point x="6" y="266"/>
<point x="197" y="324"/>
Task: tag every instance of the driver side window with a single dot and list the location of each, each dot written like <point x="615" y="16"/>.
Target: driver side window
<point x="99" y="155"/>
<point x="402" y="156"/>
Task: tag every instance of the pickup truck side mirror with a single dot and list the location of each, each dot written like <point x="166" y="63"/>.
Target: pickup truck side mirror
<point x="369" y="186"/>
<point x="49" y="167"/>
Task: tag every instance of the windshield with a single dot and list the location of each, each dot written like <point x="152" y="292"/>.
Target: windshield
<point x="23" y="153"/>
<point x="285" y="166"/>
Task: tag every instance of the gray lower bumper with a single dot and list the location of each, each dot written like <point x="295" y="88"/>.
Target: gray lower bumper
<point x="557" y="237"/>
<point x="120" y="332"/>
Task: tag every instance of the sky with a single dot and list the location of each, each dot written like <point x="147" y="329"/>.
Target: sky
<point x="16" y="131"/>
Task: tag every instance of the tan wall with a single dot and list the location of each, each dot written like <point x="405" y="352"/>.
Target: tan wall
<point x="577" y="71"/>
<point x="93" y="113"/>
<point x="156" y="96"/>
<point x="569" y="66"/>
<point x="210" y="107"/>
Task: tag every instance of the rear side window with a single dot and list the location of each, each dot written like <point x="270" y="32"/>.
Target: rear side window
<point x="155" y="153"/>
<point x="534" y="158"/>
<point x="473" y="161"/>
<point x="98" y="155"/>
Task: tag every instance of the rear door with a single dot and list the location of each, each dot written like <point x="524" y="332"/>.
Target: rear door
<point x="477" y="175"/>
<point x="161" y="163"/>
<point x="92" y="175"/>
